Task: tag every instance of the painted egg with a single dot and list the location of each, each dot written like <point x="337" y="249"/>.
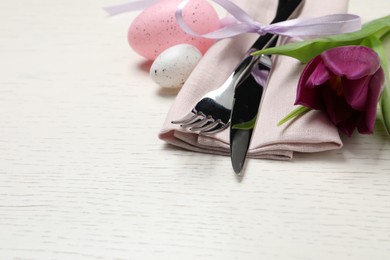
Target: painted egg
<point x="174" y="65"/>
<point x="155" y="29"/>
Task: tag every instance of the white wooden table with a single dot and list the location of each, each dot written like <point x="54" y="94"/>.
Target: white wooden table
<point x="84" y="176"/>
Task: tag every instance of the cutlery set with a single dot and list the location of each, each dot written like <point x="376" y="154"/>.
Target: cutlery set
<point x="236" y="102"/>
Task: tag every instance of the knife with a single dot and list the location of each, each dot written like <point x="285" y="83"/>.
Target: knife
<point x="248" y="92"/>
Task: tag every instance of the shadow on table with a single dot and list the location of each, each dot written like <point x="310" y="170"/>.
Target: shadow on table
<point x="370" y="148"/>
<point x="145" y="65"/>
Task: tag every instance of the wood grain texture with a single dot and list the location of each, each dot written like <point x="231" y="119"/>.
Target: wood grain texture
<point x="84" y="176"/>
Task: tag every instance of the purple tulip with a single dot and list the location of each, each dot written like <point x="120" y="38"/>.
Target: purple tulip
<point x="345" y="83"/>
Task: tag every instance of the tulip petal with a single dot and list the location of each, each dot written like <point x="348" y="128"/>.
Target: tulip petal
<point x="367" y="121"/>
<point x="335" y="106"/>
<point x="364" y="127"/>
<point x="307" y="94"/>
<point x="319" y="76"/>
<point x="353" y="62"/>
<point x="348" y="126"/>
<point x="356" y="91"/>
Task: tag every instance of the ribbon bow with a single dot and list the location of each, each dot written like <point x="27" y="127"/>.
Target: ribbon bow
<point x="300" y="27"/>
<point x="243" y="23"/>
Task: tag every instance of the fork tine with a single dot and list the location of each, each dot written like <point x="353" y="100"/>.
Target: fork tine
<point x="206" y="126"/>
<point x="203" y="121"/>
<point x="188" y="119"/>
<point x="218" y="128"/>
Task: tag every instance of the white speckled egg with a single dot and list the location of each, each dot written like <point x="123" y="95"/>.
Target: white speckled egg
<point x="174" y="65"/>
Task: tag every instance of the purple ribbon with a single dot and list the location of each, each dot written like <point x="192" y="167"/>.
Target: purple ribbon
<point x="128" y="7"/>
<point x="260" y="76"/>
<point x="300" y="27"/>
<point x="243" y="23"/>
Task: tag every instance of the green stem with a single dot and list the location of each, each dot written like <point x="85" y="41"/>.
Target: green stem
<point x="299" y="111"/>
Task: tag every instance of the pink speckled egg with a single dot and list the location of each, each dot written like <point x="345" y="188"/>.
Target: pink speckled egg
<point x="155" y="29"/>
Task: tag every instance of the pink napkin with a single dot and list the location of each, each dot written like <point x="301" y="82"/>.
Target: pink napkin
<point x="311" y="133"/>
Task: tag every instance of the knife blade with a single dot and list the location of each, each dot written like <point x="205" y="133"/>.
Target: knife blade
<point x="248" y="92"/>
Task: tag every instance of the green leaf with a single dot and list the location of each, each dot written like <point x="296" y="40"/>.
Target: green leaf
<point x="246" y="125"/>
<point x="307" y="50"/>
<point x="299" y="111"/>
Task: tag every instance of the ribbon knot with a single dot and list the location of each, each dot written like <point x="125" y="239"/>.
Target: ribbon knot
<point x="261" y="29"/>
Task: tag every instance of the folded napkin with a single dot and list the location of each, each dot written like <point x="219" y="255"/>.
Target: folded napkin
<point x="310" y="133"/>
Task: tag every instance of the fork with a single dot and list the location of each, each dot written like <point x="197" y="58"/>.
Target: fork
<point x="211" y="114"/>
